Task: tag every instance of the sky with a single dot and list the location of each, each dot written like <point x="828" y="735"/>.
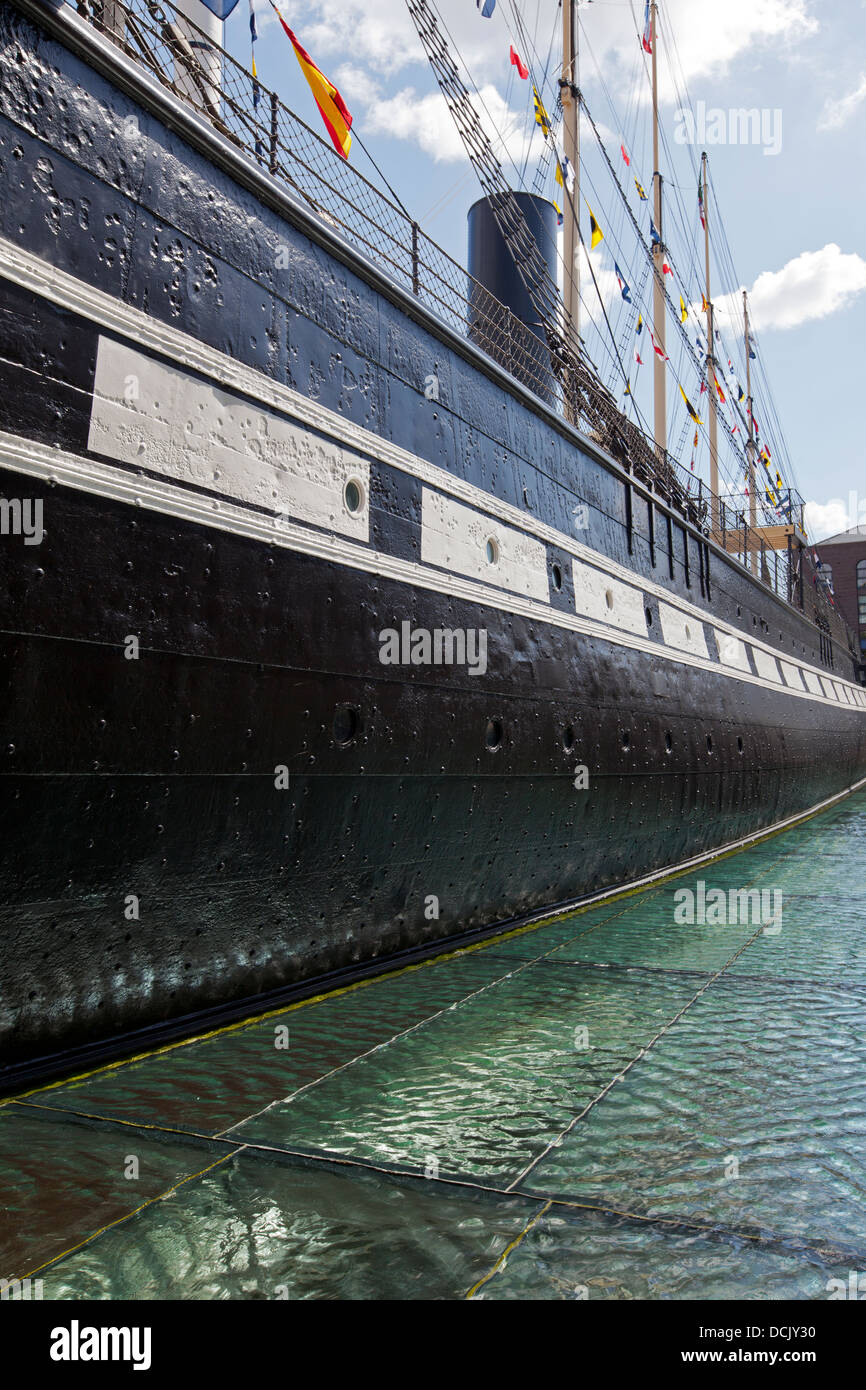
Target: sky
<point x="789" y="190"/>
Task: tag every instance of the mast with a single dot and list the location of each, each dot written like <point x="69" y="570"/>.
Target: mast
<point x="711" y="370"/>
<point x="659" y="374"/>
<point x="571" y="148"/>
<point x="750" y="446"/>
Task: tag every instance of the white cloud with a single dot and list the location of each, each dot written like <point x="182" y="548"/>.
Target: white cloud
<point x="381" y="33"/>
<point x="709" y="36"/>
<point x="811" y="286"/>
<point x="424" y="120"/>
<point x="357" y="85"/>
<point x="838" y="112"/>
<point x="828" y="519"/>
<point x="608" y="286"/>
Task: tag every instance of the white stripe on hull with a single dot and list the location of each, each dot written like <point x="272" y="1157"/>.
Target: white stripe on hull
<point x="107" y="481"/>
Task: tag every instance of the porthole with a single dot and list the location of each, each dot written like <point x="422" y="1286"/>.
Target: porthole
<point x="709" y="743"/>
<point x="649" y="617"/>
<point x="739" y="611"/>
<point x="608" y="598"/>
<point x="739" y="743"/>
<point x="556" y="574"/>
<point x="754" y="621"/>
<point x="492" y="551"/>
<point x="353" y="495"/>
<point x="568" y="739"/>
<point x="688" y="632"/>
<point x="669" y="742"/>
<point x="345" y="725"/>
<point x="493" y="735"/>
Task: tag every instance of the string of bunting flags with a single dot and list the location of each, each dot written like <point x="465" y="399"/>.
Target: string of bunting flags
<point x="564" y="175"/>
<point x="338" y="122"/>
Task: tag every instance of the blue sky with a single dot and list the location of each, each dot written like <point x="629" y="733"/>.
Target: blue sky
<point x="795" y="219"/>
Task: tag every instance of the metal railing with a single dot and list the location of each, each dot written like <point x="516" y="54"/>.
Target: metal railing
<point x="162" y="40"/>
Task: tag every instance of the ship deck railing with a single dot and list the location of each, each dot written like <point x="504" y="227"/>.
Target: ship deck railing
<point x="156" y="35"/>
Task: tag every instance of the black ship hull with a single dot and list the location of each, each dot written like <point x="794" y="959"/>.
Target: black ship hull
<point x="214" y="785"/>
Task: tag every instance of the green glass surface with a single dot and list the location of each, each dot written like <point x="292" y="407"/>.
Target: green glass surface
<point x="688" y="1098"/>
<point x="260" y="1229"/>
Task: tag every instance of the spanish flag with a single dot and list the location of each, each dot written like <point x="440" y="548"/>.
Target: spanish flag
<point x="332" y="108"/>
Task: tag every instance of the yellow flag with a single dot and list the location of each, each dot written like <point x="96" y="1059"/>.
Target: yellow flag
<point x="541" y="116"/>
<point x="684" y="313"/>
<point x="596" y="234"/>
<point x="690" y="408"/>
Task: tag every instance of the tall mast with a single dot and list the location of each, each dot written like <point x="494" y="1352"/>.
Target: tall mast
<point x="571" y="147"/>
<point x="659" y="377"/>
<point x="750" y="446"/>
<point x="711" y="369"/>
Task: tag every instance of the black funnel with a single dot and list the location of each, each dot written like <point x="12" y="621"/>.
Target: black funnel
<point x="515" y="339"/>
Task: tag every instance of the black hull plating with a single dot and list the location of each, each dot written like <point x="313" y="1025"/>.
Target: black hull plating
<point x="155" y="778"/>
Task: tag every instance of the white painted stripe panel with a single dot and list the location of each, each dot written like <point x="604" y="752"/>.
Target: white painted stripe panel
<point x="793" y="675"/>
<point x="732" y="652"/>
<point x="607" y="600"/>
<point x="169" y="422"/>
<point x="682" y="631"/>
<point x="766" y="665"/>
<point x="455" y="537"/>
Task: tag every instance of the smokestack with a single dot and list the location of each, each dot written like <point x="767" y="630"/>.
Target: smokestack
<point x="515" y="340"/>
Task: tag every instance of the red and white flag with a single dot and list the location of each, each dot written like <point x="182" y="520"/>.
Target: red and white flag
<point x="659" y="351"/>
<point x="517" y="62"/>
<point x="646" y="41"/>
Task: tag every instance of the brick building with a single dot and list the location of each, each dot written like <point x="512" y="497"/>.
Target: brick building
<point x="844" y="556"/>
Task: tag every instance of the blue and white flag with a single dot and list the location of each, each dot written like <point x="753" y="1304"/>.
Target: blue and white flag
<point x="623" y="287"/>
<point x="221" y="8"/>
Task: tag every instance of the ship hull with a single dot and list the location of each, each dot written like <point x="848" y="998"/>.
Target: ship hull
<point x="221" y="776"/>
